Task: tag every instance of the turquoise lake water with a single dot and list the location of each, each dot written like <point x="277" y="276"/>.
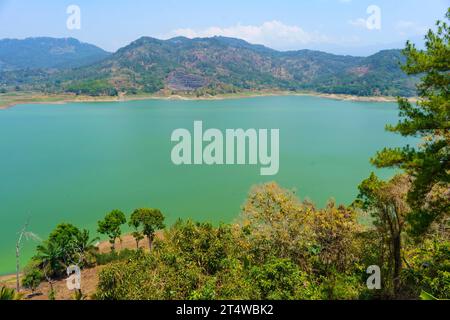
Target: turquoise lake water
<point x="75" y="162"/>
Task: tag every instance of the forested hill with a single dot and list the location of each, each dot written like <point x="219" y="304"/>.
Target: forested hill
<point x="219" y="65"/>
<point x="44" y="52"/>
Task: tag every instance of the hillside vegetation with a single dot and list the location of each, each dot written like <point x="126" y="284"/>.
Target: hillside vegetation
<point x="210" y="66"/>
<point x="47" y="53"/>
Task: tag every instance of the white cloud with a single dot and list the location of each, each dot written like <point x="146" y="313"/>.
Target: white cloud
<point x="274" y="34"/>
<point x="359" y="23"/>
<point x="407" y="28"/>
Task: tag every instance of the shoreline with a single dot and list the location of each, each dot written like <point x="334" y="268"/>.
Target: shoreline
<point x="103" y="246"/>
<point x="34" y="98"/>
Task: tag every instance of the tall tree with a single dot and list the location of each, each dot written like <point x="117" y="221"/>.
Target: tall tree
<point x="274" y="222"/>
<point x="65" y="237"/>
<point x="428" y="164"/>
<point x="110" y="226"/>
<point x="135" y="222"/>
<point x="386" y="201"/>
<point x="150" y="220"/>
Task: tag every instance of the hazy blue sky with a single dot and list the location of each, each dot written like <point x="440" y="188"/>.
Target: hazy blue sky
<point x="333" y="25"/>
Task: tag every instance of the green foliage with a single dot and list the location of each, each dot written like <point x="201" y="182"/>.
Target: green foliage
<point x="386" y="201"/>
<point x="52" y="294"/>
<point x="339" y="286"/>
<point x="78" y="295"/>
<point x="280" y="279"/>
<point x="51" y="258"/>
<point x="46" y="52"/>
<point x="32" y="277"/>
<point x="247" y="261"/>
<point x="146" y="222"/>
<point x="85" y="248"/>
<point x="428" y="268"/>
<point x="334" y="235"/>
<point x="9" y="294"/>
<point x="264" y="221"/>
<point x="200" y="244"/>
<point x="65" y="245"/>
<point x="280" y="247"/>
<point x="111" y="225"/>
<point x="192" y="257"/>
<point x="201" y="261"/>
<point x="113" y="256"/>
<point x="137" y="235"/>
<point x="74" y="245"/>
<point x="219" y="65"/>
<point x="426" y="296"/>
<point x="92" y="88"/>
<point x="429" y="164"/>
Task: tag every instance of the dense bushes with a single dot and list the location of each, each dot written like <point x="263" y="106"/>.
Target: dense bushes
<point x="92" y="88"/>
<point x="262" y="256"/>
<point x="279" y="248"/>
<point x="33" y="276"/>
<point x="428" y="268"/>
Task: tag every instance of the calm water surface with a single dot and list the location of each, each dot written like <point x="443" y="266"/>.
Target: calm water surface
<point x="75" y="162"/>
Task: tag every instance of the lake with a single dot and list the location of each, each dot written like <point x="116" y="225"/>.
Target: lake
<point x="76" y="162"/>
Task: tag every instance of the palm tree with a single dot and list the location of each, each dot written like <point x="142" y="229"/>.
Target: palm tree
<point x="85" y="247"/>
<point x="50" y="257"/>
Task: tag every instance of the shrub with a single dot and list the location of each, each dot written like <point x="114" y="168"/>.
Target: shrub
<point x="428" y="269"/>
<point x="33" y="277"/>
<point x="113" y="256"/>
<point x="280" y="279"/>
<point x="9" y="294"/>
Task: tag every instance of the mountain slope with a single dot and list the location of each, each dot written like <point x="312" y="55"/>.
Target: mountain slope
<point x="43" y="53"/>
<point x="222" y="65"/>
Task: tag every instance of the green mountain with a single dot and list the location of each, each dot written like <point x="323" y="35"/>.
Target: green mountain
<point x="221" y="65"/>
<point x="47" y="53"/>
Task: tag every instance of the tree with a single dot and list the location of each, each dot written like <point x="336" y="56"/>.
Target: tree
<point x="428" y="164"/>
<point x="27" y="235"/>
<point x="334" y="232"/>
<point x="200" y="244"/>
<point x="85" y="248"/>
<point x="110" y="226"/>
<point x="150" y="220"/>
<point x="386" y="201"/>
<point x="50" y="258"/>
<point x="135" y="222"/>
<point x="274" y="222"/>
<point x="65" y="237"/>
<point x="65" y="245"/>
<point x="48" y="255"/>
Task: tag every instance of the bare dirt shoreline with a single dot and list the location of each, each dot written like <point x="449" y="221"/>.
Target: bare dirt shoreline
<point x="89" y="277"/>
<point x="8" y="101"/>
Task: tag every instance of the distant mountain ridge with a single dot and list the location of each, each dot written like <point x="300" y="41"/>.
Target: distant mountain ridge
<point x="209" y="66"/>
<point x="47" y="53"/>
